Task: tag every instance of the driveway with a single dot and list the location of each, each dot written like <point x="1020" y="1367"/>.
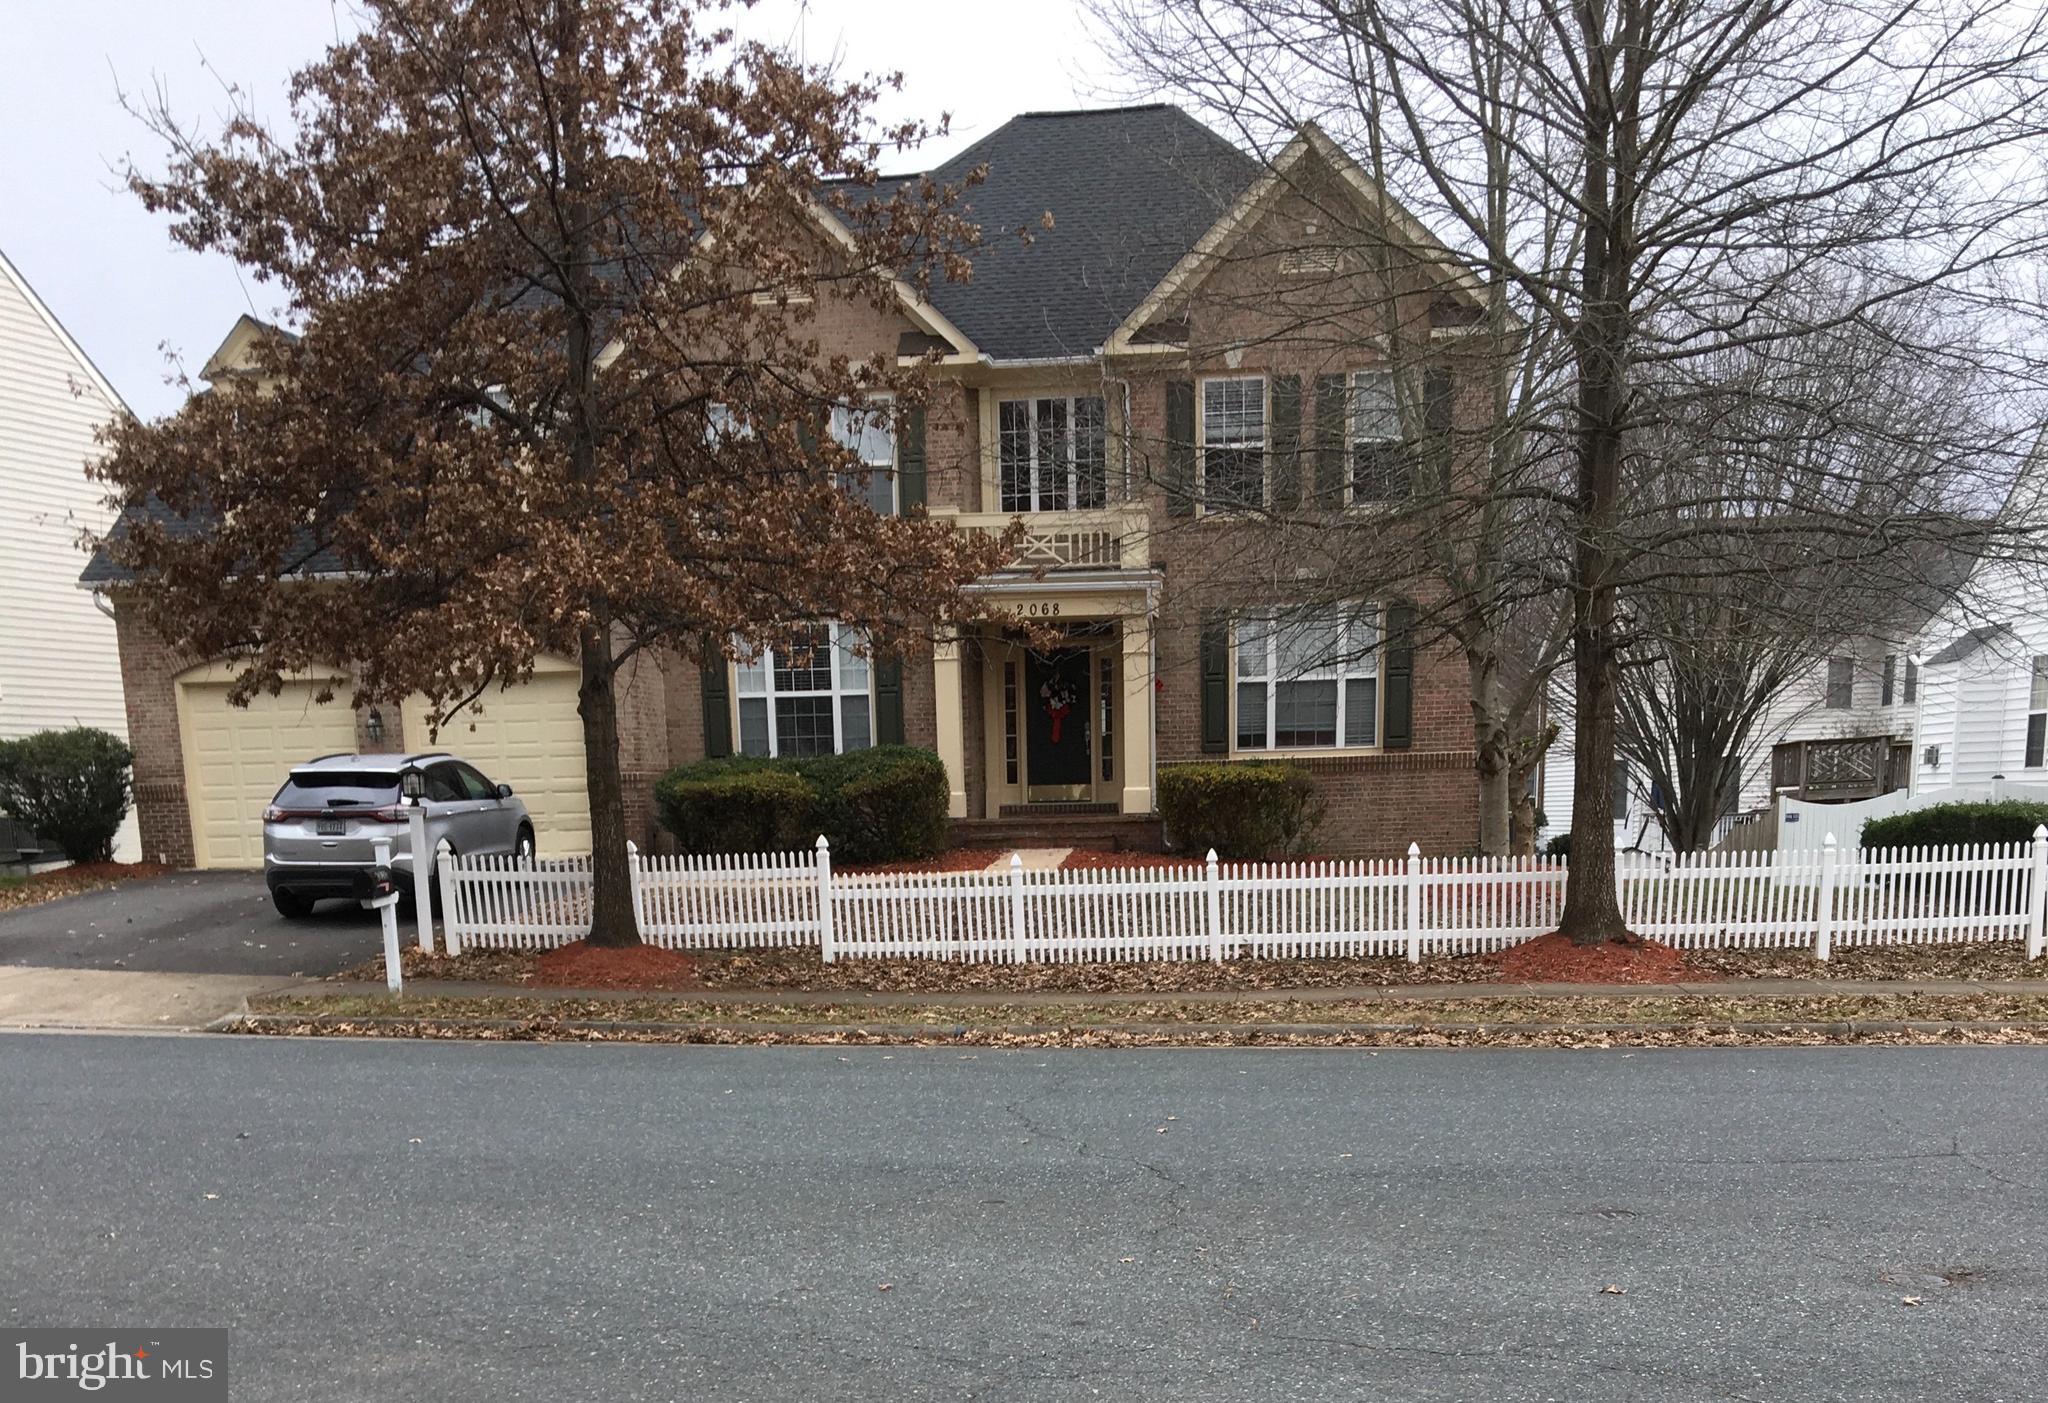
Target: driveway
<point x="191" y="923"/>
<point x="170" y="952"/>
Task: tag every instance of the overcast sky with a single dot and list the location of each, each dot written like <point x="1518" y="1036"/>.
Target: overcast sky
<point x="107" y="267"/>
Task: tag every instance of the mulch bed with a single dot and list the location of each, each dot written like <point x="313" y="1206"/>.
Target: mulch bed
<point x="951" y="860"/>
<point x="1093" y="859"/>
<point x="81" y="877"/>
<point x="581" y="965"/>
<point x="1556" y="959"/>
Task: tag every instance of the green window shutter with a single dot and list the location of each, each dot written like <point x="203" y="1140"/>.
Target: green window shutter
<point x="1332" y="403"/>
<point x="910" y="472"/>
<point x="1215" y="681"/>
<point x="1397" y="677"/>
<point x="1436" y="399"/>
<point x="1180" y="447"/>
<point x="888" y="701"/>
<point x="1286" y="442"/>
<point x="717" y="704"/>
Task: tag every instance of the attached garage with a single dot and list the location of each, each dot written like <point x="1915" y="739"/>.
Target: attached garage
<point x="236" y="757"/>
<point x="530" y="737"/>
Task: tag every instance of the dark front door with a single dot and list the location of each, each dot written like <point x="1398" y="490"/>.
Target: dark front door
<point x="1056" y="731"/>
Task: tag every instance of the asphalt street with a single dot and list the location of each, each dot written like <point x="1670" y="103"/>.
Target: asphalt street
<point x="187" y="923"/>
<point x="477" y="1221"/>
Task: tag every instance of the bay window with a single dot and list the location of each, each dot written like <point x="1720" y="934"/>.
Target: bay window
<point x="806" y="694"/>
<point x="1234" y="442"/>
<point x="1308" y="678"/>
<point x="1053" y="452"/>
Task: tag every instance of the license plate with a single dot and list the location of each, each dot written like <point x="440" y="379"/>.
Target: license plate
<point x="331" y="827"/>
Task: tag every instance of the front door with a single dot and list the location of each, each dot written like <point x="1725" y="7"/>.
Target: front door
<point x="1056" y="729"/>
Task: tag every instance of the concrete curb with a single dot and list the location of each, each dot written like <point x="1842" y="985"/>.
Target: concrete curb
<point x="452" y="1028"/>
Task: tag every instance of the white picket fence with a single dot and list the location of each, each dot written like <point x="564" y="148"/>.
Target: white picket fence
<point x="1220" y="910"/>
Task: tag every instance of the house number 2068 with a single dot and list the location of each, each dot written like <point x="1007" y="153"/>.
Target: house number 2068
<point x="1043" y="610"/>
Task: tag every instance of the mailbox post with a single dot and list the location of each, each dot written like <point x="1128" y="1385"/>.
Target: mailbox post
<point x="412" y="790"/>
<point x="379" y="892"/>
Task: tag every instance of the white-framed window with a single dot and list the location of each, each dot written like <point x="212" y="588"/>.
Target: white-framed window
<point x="1380" y="465"/>
<point x="1841" y="688"/>
<point x="808" y="693"/>
<point x="870" y="431"/>
<point x="1052" y="452"/>
<point x="2037" y="714"/>
<point x="1308" y="678"/>
<point x="1234" y="442"/>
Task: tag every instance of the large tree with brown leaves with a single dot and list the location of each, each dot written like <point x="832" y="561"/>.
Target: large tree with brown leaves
<point x="555" y="269"/>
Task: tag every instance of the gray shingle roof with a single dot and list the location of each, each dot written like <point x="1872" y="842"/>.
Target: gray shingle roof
<point x="310" y="559"/>
<point x="1963" y="645"/>
<point x="1130" y="190"/>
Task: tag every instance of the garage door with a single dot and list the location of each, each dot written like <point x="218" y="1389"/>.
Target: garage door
<point x="531" y="738"/>
<point x="235" y="758"/>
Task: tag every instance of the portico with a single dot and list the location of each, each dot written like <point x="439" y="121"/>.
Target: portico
<point x="1060" y="707"/>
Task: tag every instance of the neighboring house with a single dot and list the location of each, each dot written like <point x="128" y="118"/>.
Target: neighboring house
<point x="1983" y="697"/>
<point x="1841" y="730"/>
<point x="58" y="662"/>
<point x="1115" y="384"/>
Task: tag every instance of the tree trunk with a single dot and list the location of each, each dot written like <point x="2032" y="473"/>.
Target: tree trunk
<point x="611" y="882"/>
<point x="1592" y="907"/>
<point x="1490" y="747"/>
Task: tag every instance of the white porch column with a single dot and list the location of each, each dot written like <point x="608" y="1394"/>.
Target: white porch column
<point x="1134" y="717"/>
<point x="950" y="721"/>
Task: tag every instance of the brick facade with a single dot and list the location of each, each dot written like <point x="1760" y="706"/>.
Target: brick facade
<point x="1243" y="320"/>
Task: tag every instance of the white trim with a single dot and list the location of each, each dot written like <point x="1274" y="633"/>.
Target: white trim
<point x="1202" y="383"/>
<point x="1346" y="669"/>
<point x="837" y="642"/>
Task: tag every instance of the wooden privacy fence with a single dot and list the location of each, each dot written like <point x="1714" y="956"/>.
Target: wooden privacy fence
<point x="1220" y="910"/>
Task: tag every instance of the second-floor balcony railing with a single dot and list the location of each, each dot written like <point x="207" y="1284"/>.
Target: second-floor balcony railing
<point x="1097" y="538"/>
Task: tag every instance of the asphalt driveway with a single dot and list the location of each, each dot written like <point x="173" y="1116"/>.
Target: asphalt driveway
<point x="191" y="923"/>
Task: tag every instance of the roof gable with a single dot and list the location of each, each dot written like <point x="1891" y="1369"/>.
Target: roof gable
<point x="1129" y="190"/>
<point x="11" y="275"/>
<point x="1310" y="147"/>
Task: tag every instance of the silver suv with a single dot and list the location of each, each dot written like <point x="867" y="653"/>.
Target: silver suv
<point x="319" y="833"/>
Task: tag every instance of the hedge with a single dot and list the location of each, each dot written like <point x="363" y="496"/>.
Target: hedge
<point x="2006" y="821"/>
<point x="883" y="804"/>
<point x="1251" y="809"/>
<point x="68" y="787"/>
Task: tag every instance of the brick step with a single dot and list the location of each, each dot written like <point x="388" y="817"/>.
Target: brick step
<point x="1141" y="833"/>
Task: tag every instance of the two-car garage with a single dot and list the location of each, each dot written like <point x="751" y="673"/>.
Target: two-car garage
<point x="529" y="737"/>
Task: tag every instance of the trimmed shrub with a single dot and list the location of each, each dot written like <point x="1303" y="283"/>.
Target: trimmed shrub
<point x="724" y="806"/>
<point x="1560" y="845"/>
<point x="2007" y="821"/>
<point x="1251" y="809"/>
<point x="69" y="787"/>
<point x="883" y="804"/>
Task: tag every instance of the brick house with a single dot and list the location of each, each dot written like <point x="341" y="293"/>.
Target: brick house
<point x="1137" y="382"/>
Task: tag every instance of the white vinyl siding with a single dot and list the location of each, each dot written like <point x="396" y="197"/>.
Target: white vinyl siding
<point x="59" y="663"/>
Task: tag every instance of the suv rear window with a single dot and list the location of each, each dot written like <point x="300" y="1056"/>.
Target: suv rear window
<point x="339" y="788"/>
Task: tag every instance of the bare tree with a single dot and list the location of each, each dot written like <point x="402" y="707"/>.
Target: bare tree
<point x="1648" y="186"/>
